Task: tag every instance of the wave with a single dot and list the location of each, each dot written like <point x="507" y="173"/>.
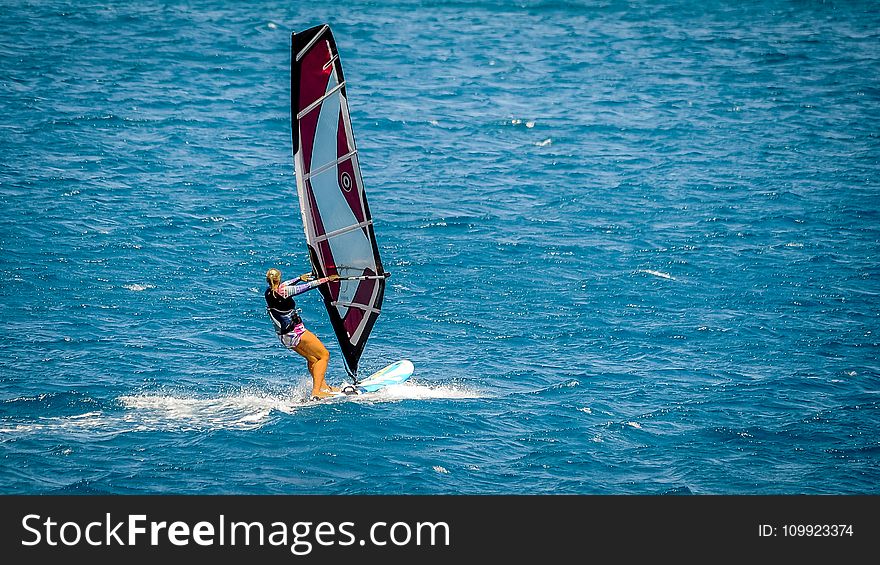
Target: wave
<point x="659" y="274"/>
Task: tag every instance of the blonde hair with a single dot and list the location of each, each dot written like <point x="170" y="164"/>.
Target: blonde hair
<point x="273" y="277"/>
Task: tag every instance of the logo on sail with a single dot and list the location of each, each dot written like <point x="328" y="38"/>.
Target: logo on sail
<point x="345" y="181"/>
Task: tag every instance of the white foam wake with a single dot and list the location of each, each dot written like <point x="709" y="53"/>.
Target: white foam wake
<point x="236" y="411"/>
<point x="241" y="411"/>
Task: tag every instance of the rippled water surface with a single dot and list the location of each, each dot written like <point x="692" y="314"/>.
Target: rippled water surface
<point x="634" y="248"/>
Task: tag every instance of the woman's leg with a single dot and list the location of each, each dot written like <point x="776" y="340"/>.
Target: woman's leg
<point x="317" y="357"/>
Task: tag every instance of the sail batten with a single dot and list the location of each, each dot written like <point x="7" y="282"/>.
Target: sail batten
<point x="355" y="305"/>
<point x="315" y="37"/>
<point x="323" y="168"/>
<point x="344" y="230"/>
<point x="320" y="100"/>
<point x="336" y="219"/>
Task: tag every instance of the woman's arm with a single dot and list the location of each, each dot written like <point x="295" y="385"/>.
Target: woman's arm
<point x="297" y="286"/>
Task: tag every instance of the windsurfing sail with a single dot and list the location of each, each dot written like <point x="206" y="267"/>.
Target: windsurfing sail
<point x="336" y="219"/>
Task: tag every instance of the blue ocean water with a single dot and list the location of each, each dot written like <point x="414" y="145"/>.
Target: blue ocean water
<point x="634" y="248"/>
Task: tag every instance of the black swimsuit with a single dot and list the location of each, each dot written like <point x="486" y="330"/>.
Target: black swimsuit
<point x="282" y="311"/>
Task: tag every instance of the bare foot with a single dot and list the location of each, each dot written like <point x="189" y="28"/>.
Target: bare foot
<point x="321" y="394"/>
